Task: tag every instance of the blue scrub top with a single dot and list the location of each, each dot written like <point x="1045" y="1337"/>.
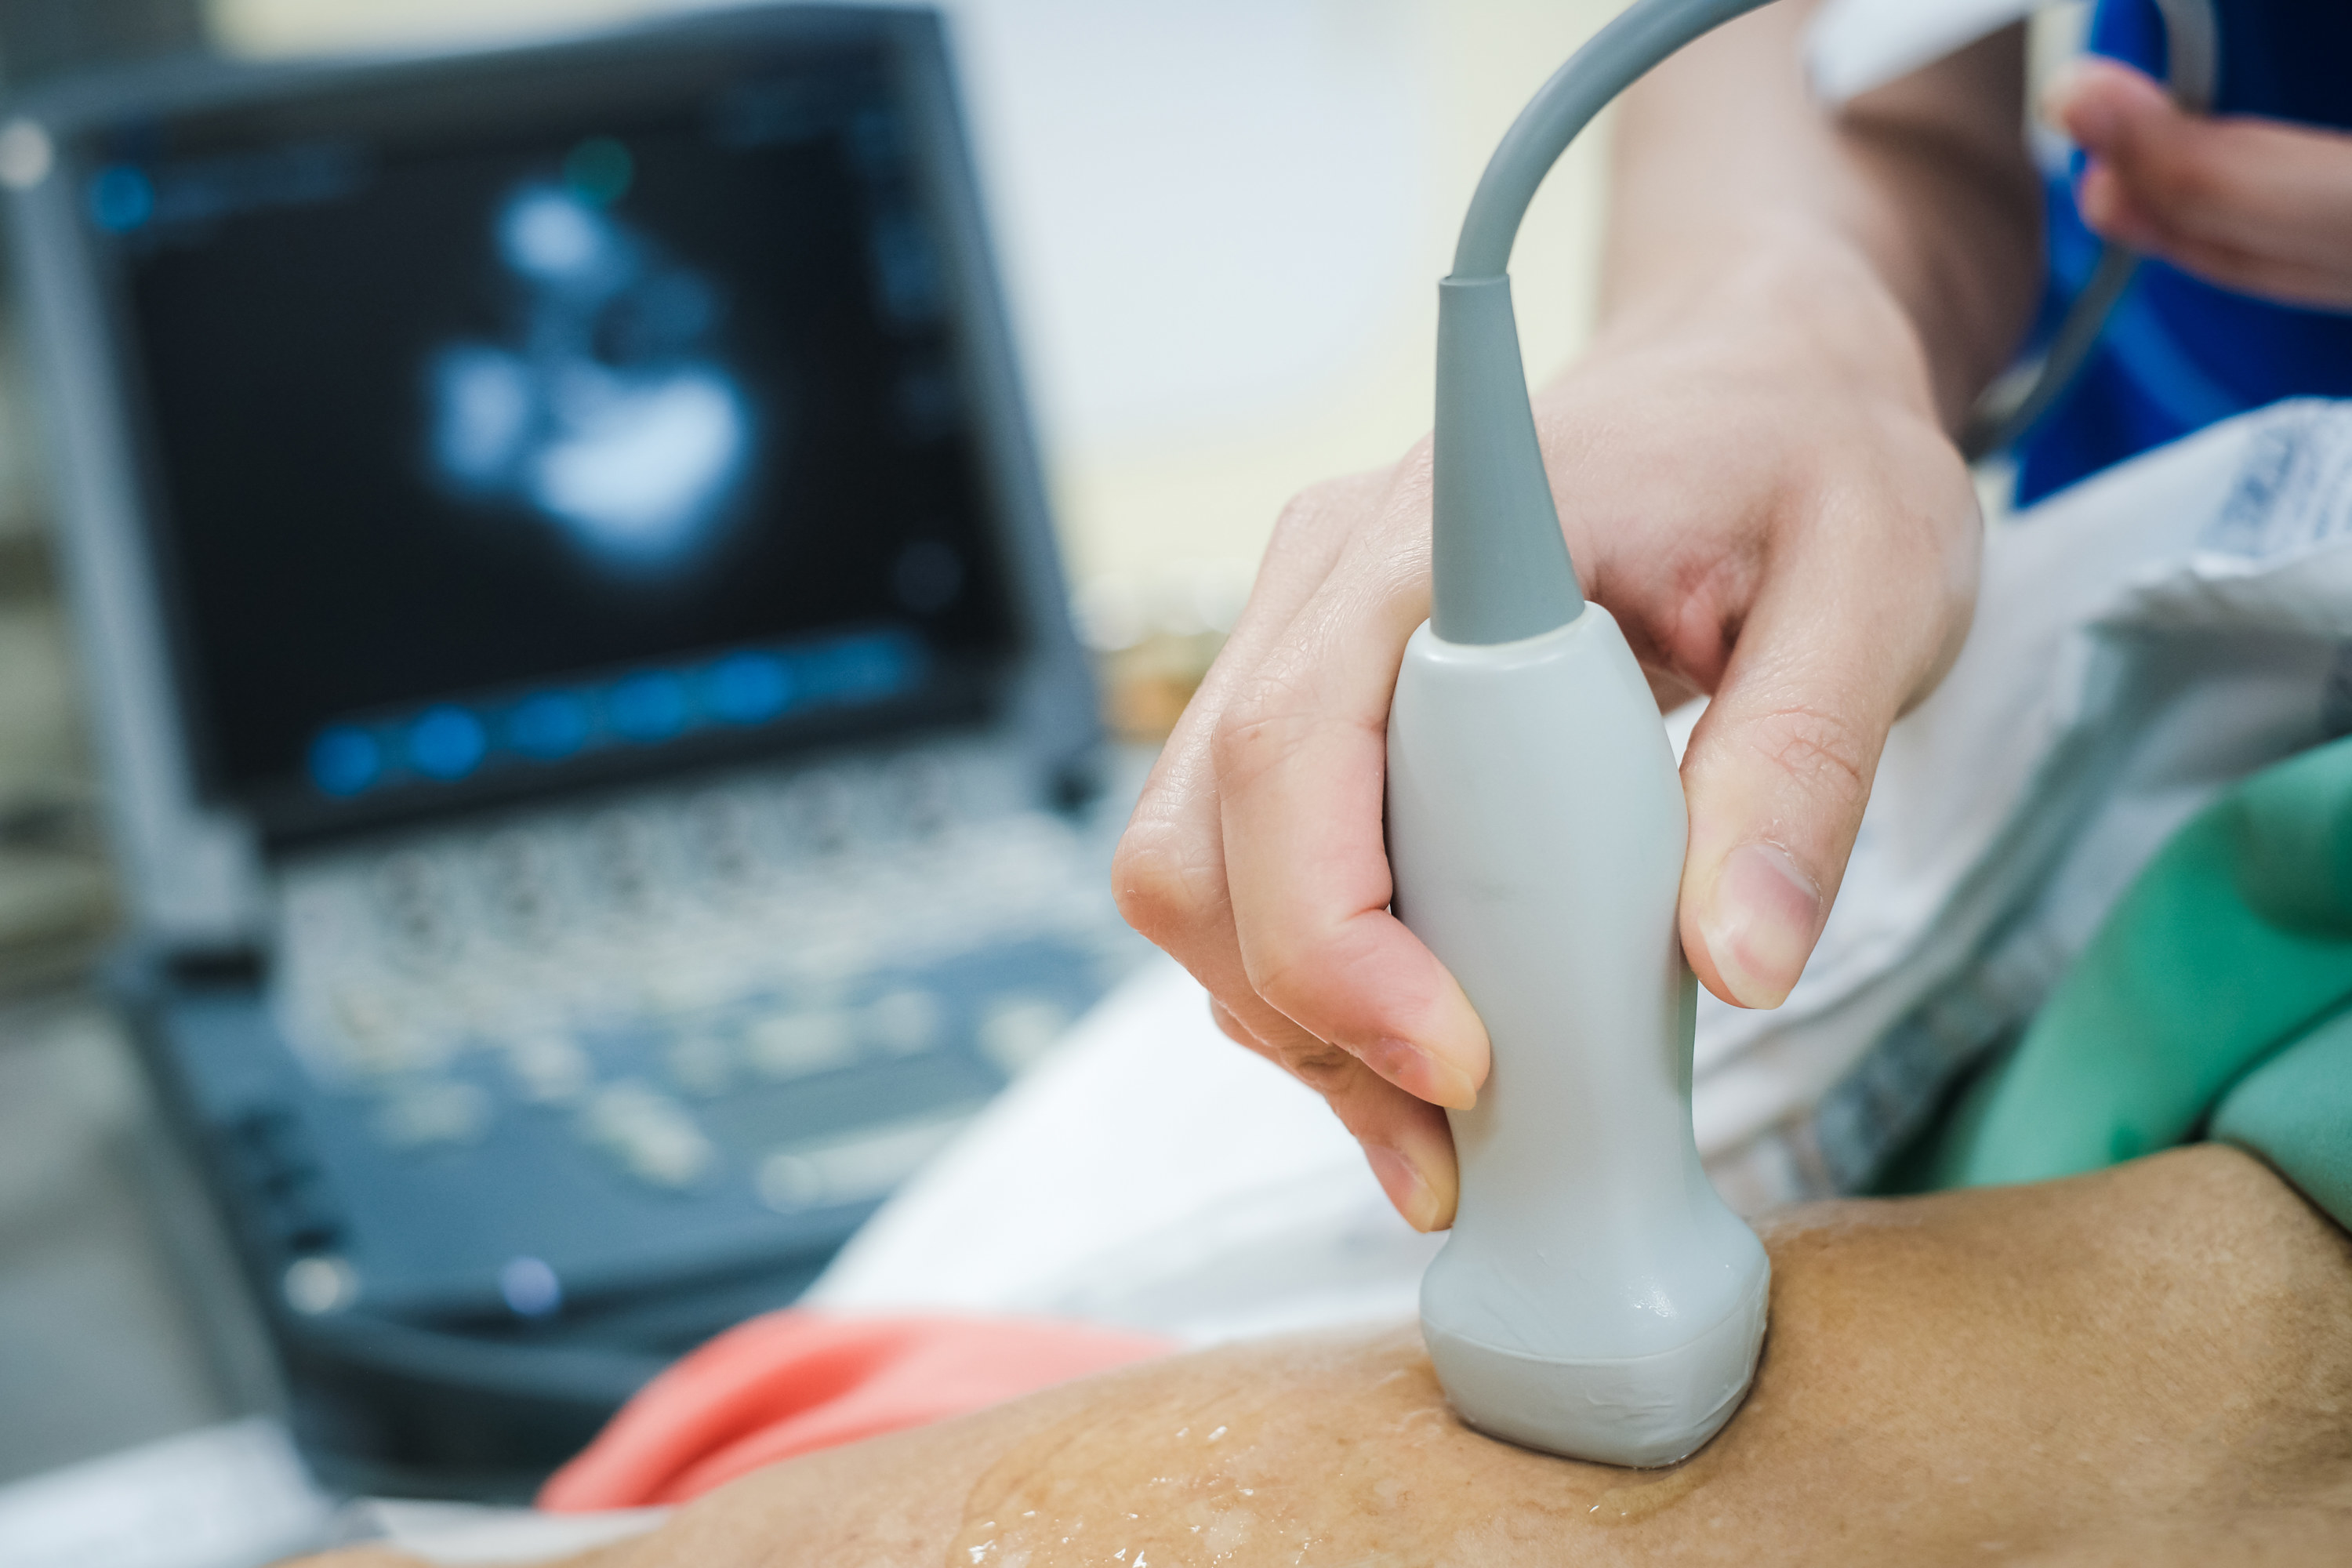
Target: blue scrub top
<point x="2177" y="353"/>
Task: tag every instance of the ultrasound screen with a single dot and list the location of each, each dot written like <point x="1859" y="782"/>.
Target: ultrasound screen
<point x="500" y="427"/>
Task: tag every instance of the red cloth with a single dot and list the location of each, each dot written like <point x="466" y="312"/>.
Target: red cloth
<point x="794" y="1382"/>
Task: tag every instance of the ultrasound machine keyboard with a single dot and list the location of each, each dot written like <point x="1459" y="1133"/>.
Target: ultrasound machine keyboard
<point x="780" y="993"/>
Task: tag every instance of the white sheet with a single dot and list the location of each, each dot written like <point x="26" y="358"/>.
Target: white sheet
<point x="1853" y="45"/>
<point x="2142" y="640"/>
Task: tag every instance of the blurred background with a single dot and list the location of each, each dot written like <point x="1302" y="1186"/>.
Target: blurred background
<point x="1221" y="288"/>
<point x="1218" y="224"/>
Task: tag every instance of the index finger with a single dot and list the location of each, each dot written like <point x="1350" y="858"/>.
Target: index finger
<point x="1301" y="761"/>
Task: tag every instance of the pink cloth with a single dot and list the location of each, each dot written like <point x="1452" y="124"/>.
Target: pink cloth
<point x="794" y="1382"/>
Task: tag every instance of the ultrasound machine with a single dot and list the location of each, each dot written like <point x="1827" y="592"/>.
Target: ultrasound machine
<point x="593" y="732"/>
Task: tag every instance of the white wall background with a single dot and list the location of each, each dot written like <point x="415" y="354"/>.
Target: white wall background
<point x="1221" y="222"/>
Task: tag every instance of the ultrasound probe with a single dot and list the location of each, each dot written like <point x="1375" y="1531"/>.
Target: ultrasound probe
<point x="1596" y="1298"/>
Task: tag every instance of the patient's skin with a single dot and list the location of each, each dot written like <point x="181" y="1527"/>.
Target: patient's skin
<point x="2152" y="1364"/>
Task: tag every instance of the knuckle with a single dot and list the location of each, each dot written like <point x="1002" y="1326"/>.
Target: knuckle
<point x="1307" y="974"/>
<point x="1258" y="732"/>
<point x="1305" y="510"/>
<point x="1275" y="963"/>
<point x="1308" y="518"/>
<point x="1320" y="1066"/>
<point x="1339" y="501"/>
<point x="1328" y="1070"/>
<point x="1291" y="703"/>
<point x="1163" y="888"/>
<point x="1823" y="753"/>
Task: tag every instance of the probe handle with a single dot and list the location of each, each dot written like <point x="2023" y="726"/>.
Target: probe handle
<point x="1596" y="1298"/>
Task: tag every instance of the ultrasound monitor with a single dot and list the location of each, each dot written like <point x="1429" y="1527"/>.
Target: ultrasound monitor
<point x="584" y="685"/>
<point x="481" y="428"/>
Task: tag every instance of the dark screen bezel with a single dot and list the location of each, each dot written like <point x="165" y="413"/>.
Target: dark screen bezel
<point x="698" y="53"/>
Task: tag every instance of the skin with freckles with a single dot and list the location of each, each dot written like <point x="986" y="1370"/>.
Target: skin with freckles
<point x="2151" y="1366"/>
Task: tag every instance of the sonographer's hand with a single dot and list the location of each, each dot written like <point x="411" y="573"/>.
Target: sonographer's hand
<point x="1763" y="495"/>
<point x="1752" y="472"/>
<point x="2257" y="206"/>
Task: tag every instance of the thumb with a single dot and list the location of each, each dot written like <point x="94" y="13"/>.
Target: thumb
<point x="2111" y="111"/>
<point x="1779" y="767"/>
<point x="2148" y="166"/>
<point x="2254" y="205"/>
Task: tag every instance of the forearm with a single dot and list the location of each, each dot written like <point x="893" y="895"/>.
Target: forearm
<point x="1905" y="232"/>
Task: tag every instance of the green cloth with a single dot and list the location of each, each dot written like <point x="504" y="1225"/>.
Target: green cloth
<point x="2295" y="1110"/>
<point x="2213" y="1000"/>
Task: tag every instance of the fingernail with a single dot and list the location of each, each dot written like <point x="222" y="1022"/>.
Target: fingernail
<point x="1423" y="1073"/>
<point x="1408" y="1190"/>
<point x="1760" y="932"/>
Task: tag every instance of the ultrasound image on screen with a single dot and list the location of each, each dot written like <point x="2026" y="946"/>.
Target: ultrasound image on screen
<point x="610" y="411"/>
<point x="467" y="437"/>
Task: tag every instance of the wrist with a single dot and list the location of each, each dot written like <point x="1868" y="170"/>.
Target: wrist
<point x="1792" y="299"/>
